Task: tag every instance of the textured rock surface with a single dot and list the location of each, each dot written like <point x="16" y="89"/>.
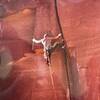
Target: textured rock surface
<point x="80" y="21"/>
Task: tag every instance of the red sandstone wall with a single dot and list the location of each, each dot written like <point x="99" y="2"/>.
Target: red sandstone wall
<point x="80" y="21"/>
<point x="16" y="33"/>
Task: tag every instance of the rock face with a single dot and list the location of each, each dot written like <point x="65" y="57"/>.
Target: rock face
<point x="21" y="20"/>
<point x="80" y="22"/>
<point x="2" y="11"/>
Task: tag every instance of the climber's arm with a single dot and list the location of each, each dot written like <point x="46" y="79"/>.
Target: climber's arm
<point x="37" y="41"/>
